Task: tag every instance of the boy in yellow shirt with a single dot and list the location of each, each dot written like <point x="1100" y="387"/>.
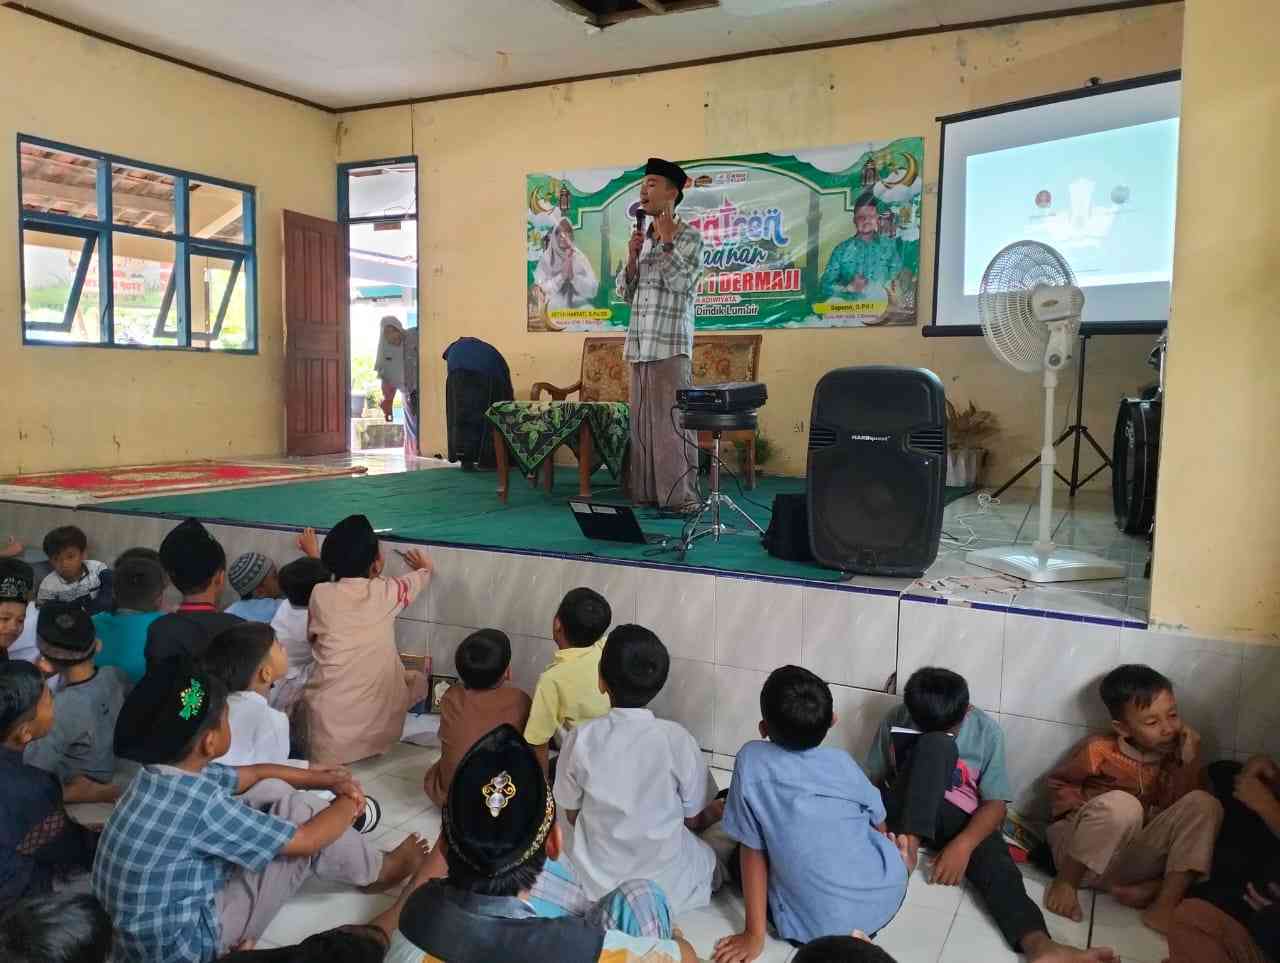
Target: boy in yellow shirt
<point x="568" y="691"/>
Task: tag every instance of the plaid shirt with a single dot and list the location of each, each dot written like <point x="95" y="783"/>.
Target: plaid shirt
<point x="662" y="297"/>
<point x="172" y="843"/>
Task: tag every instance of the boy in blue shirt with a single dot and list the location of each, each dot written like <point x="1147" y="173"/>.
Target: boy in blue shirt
<point x="198" y="858"/>
<point x="950" y="788"/>
<point x="138" y="584"/>
<point x="809" y="824"/>
<point x="255" y="579"/>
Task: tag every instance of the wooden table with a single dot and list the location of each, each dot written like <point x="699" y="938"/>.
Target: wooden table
<point x="550" y="426"/>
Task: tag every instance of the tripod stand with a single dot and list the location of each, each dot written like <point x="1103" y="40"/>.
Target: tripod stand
<point x="1076" y="430"/>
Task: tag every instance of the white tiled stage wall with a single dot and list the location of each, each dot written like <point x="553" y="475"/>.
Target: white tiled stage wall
<point x="1036" y="672"/>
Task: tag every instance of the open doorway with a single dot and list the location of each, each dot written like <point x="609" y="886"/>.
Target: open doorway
<point x="378" y="208"/>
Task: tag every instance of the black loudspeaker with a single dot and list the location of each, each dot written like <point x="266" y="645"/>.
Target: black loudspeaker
<point x="877" y="467"/>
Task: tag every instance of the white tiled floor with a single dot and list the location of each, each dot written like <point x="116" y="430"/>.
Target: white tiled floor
<point x="935" y="925"/>
<point x="1086" y="522"/>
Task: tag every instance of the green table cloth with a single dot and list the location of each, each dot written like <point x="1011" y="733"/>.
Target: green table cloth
<point x="535" y="429"/>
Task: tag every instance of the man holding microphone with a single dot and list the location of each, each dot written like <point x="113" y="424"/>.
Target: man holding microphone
<point x="660" y="283"/>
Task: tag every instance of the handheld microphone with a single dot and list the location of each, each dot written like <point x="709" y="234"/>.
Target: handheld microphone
<point x="640" y="214"/>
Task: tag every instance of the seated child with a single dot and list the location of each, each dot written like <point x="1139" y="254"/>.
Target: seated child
<point x="1129" y="813"/>
<point x="841" y="949"/>
<point x="483" y="701"/>
<point x="813" y="858"/>
<point x="568" y="691"/>
<point x="636" y="788"/>
<point x="198" y="858"/>
<point x="359" y="690"/>
<point x="74" y="579"/>
<point x="950" y="788"/>
<point x="1231" y="916"/>
<point x="254" y="578"/>
<point x="16" y="579"/>
<point x="138" y="585"/>
<point x="65" y="928"/>
<point x="247" y="659"/>
<point x="291" y="624"/>
<point x="78" y="748"/>
<point x="500" y="823"/>
<point x="197" y="566"/>
<point x="40" y="845"/>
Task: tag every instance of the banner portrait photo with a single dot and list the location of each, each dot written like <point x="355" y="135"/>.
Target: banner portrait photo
<point x="825" y="238"/>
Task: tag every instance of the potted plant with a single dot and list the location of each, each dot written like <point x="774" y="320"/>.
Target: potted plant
<point x="967" y="428"/>
<point x="764" y="451"/>
<point x="364" y="384"/>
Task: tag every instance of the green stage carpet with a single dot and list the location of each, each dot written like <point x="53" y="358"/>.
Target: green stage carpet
<point x="461" y="508"/>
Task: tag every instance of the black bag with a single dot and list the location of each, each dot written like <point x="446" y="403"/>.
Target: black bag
<point x="788" y="533"/>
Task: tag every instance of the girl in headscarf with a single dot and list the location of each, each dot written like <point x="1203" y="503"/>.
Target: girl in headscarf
<point x="397" y="366"/>
<point x="564" y="274"/>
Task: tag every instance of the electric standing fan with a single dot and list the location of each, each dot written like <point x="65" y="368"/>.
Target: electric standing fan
<point x="1030" y="306"/>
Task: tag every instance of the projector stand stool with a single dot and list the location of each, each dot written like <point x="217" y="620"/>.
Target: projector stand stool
<point x="716" y="501"/>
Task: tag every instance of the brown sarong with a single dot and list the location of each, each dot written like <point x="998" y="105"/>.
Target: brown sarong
<point x="663" y="464"/>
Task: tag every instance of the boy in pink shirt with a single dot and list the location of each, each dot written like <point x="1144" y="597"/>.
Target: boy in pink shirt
<point x="359" y="690"/>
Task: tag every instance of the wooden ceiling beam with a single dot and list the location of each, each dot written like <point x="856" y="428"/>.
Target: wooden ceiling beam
<point x="654" y="6"/>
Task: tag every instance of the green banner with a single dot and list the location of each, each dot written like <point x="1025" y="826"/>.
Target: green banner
<point x="826" y="238"/>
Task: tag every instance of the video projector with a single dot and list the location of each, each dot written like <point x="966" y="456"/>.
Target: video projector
<point x="728" y="398"/>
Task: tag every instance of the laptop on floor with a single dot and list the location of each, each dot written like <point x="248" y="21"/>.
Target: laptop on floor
<point x="611" y="523"/>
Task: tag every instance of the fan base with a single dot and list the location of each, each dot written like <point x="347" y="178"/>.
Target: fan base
<point x="1057" y="565"/>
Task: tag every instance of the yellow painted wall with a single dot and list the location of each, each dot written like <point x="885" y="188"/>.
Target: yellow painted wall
<point x="474" y="153"/>
<point x="1218" y="514"/>
<point x="69" y="407"/>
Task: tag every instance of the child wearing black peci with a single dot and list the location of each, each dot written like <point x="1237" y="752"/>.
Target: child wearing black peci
<point x="197" y="858"/>
<point x="952" y="791"/>
<point x="197" y="566"/>
<point x="78" y="748"/>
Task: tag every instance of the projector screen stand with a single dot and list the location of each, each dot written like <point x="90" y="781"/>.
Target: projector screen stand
<point x="1075" y="431"/>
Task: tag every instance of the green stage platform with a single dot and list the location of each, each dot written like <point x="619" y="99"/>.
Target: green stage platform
<point x="452" y="507"/>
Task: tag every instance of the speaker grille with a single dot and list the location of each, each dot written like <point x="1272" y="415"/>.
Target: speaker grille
<point x="877" y="441"/>
<point x="931" y="440"/>
<point x="820" y="436"/>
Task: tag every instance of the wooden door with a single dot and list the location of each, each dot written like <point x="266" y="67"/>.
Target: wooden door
<point x="317" y="335"/>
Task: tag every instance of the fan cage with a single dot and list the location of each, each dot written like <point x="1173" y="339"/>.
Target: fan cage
<point x="1009" y="324"/>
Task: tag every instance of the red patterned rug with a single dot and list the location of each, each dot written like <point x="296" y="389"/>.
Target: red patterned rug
<point x="177" y="477"/>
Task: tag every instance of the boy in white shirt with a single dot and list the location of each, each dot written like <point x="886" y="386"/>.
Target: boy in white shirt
<point x="75" y="579"/>
<point x="636" y="788"/>
<point x="292" y="628"/>
<point x="248" y="659"/>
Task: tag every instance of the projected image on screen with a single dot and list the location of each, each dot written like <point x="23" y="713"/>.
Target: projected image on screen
<point x="1090" y="172"/>
<point x="1105" y="200"/>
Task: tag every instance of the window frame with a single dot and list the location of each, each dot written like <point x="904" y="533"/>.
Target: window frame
<point x="346" y="221"/>
<point x="97" y="234"/>
<point x="344" y="193"/>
